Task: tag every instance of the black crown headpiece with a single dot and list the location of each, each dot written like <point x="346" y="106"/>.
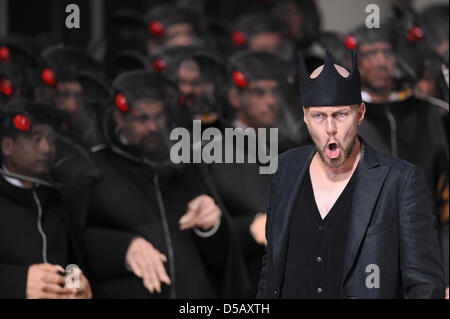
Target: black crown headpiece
<point x="329" y="88"/>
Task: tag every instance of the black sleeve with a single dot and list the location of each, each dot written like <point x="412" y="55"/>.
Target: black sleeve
<point x="222" y="252"/>
<point x="106" y="250"/>
<point x="249" y="246"/>
<point x="13" y="281"/>
<point x="213" y="248"/>
<point x="420" y="257"/>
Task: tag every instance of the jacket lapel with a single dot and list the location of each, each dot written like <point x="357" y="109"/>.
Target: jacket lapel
<point x="370" y="179"/>
<point x="292" y="180"/>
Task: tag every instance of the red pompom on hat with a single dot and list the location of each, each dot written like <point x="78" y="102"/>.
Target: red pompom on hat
<point x="5" y="54"/>
<point x="6" y="87"/>
<point x="49" y="77"/>
<point x="239" y="38"/>
<point x="122" y="103"/>
<point x="159" y="65"/>
<point x="156" y="28"/>
<point x="22" y="123"/>
<point x="351" y="42"/>
<point x="239" y="79"/>
<point x="414" y="34"/>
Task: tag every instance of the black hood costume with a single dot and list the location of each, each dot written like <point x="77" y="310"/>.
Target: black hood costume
<point x="144" y="194"/>
<point x="72" y="166"/>
<point x="65" y="64"/>
<point x="40" y="223"/>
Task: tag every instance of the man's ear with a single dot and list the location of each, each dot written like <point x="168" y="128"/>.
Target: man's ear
<point x="234" y="97"/>
<point x="305" y="119"/>
<point x="118" y="117"/>
<point x="361" y="112"/>
<point x="7" y="145"/>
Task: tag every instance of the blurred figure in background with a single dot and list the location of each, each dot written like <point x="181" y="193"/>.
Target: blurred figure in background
<point x="199" y="76"/>
<point x="38" y="165"/>
<point x="258" y="32"/>
<point x="433" y="22"/>
<point x="18" y="60"/>
<point x="156" y="230"/>
<point x="169" y="25"/>
<point x="302" y="23"/>
<point x="14" y="83"/>
<point x="262" y="95"/>
<point x="302" y="19"/>
<point x="59" y="85"/>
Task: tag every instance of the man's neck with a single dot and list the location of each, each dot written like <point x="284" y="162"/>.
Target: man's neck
<point x="15" y="181"/>
<point x="242" y="121"/>
<point x="335" y="174"/>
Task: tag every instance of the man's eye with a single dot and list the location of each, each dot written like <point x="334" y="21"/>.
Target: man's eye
<point x="159" y="116"/>
<point x="369" y="55"/>
<point x="141" y="119"/>
<point x="64" y="94"/>
<point x="318" y="116"/>
<point x="388" y="53"/>
<point x="36" y="138"/>
<point x="259" y="92"/>
<point x="341" y="115"/>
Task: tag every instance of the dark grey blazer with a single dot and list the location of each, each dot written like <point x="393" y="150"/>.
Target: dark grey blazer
<point x="392" y="225"/>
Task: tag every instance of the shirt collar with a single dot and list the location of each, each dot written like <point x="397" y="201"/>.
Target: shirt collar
<point x="239" y="123"/>
<point x="123" y="139"/>
<point x="12" y="180"/>
<point x="393" y="97"/>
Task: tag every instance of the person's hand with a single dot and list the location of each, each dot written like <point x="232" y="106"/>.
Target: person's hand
<point x="45" y="281"/>
<point x="258" y="229"/>
<point x="202" y="212"/>
<point x="446" y="293"/>
<point x="147" y="263"/>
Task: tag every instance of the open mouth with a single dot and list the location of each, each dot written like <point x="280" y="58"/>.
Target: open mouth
<point x="333" y="150"/>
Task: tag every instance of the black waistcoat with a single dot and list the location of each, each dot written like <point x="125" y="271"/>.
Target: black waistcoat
<point x="316" y="249"/>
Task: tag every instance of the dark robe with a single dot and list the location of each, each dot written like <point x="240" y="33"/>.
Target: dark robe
<point x="21" y="243"/>
<point x="126" y="204"/>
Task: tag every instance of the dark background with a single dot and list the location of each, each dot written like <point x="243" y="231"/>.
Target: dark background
<point x="45" y="19"/>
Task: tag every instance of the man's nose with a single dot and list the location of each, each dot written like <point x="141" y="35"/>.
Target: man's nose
<point x="45" y="146"/>
<point x="381" y="58"/>
<point x="151" y="125"/>
<point x="331" y="126"/>
<point x="71" y="104"/>
<point x="187" y="88"/>
<point x="270" y="100"/>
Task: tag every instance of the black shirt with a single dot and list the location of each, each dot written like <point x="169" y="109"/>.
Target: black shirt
<point x="316" y="248"/>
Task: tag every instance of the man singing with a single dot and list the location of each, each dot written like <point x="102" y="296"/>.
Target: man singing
<point x="344" y="220"/>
